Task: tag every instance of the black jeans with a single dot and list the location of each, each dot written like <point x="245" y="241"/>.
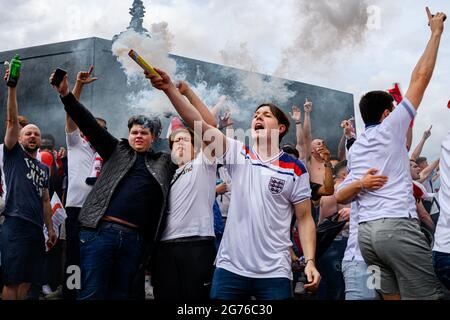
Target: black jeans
<point x="184" y="270"/>
<point x="72" y="248"/>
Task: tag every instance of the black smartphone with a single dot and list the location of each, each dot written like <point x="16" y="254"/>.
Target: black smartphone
<point x="58" y="77"/>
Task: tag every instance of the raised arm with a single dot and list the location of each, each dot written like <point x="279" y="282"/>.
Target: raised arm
<point x="12" y="122"/>
<point x="189" y="113"/>
<point x="82" y="79"/>
<point x="327" y="189"/>
<point x="307" y="130"/>
<point x="219" y="105"/>
<point x="187" y="91"/>
<point x="103" y="142"/>
<point x="296" y="115"/>
<point x="418" y="151"/>
<point x="425" y="174"/>
<point x="423" y="71"/>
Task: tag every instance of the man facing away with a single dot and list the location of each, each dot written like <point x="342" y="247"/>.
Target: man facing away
<point x="389" y="230"/>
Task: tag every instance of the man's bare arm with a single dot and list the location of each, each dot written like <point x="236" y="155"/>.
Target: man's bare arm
<point x="82" y="79"/>
<point x="370" y="182"/>
<point x="307" y="235"/>
<point x="418" y="150"/>
<point x="423" y="71"/>
<point x="198" y="104"/>
<point x="188" y="112"/>
<point x="296" y="115"/>
<point x="307" y="131"/>
<point x="425" y="174"/>
<point x="12" y="122"/>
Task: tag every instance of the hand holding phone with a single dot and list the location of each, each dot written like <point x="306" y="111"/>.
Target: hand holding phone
<point x="58" y="77"/>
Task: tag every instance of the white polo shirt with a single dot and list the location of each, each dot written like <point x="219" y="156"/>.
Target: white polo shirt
<point x="442" y="235"/>
<point x="257" y="239"/>
<point x="383" y="147"/>
<point x="191" y="200"/>
<point x="80" y="159"/>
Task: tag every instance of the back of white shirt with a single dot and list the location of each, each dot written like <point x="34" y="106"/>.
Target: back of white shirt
<point x="383" y="147"/>
<point x="256" y="240"/>
<point x="442" y="235"/>
<point x="191" y="200"/>
<point x="80" y="159"/>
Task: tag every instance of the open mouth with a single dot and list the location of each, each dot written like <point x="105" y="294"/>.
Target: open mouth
<point x="259" y="126"/>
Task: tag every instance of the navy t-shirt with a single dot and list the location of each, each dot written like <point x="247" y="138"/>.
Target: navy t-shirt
<point x="138" y="197"/>
<point x="26" y="178"/>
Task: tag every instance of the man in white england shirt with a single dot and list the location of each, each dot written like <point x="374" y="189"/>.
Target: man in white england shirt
<point x="389" y="230"/>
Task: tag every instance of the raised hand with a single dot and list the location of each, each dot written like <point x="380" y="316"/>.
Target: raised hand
<point x="163" y="83"/>
<point x="324" y="153"/>
<point x="183" y="87"/>
<point x="436" y="21"/>
<point x="63" y="88"/>
<point x="308" y="106"/>
<point x="84" y="77"/>
<point x="427" y="133"/>
<point x="296" y="114"/>
<point x="226" y="120"/>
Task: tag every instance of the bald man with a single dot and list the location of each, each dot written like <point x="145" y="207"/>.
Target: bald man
<point x="27" y="206"/>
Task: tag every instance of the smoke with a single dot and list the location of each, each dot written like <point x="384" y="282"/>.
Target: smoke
<point x="153" y="49"/>
<point x="325" y="29"/>
<point x="239" y="57"/>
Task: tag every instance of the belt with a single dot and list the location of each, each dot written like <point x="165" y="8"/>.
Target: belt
<point x="117" y="226"/>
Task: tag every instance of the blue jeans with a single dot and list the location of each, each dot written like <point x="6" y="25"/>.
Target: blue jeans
<point x="441" y="263"/>
<point x="109" y="259"/>
<point x="230" y="286"/>
<point x="356" y="276"/>
<point x="332" y="285"/>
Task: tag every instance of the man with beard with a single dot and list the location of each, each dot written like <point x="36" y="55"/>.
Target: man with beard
<point x="27" y="206"/>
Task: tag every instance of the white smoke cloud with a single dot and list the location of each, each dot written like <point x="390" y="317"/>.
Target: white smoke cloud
<point x="155" y="50"/>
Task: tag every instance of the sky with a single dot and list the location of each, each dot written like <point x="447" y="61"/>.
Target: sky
<point x="349" y="45"/>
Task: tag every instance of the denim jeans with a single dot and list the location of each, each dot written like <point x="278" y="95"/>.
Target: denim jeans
<point x="230" y="286"/>
<point x="109" y="259"/>
<point x="356" y="276"/>
<point x="441" y="263"/>
<point x="332" y="286"/>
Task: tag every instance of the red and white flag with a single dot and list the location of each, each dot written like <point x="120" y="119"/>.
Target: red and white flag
<point x="175" y="124"/>
<point x="59" y="215"/>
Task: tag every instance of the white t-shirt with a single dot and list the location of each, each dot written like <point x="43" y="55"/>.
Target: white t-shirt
<point x="191" y="200"/>
<point x="383" y="147"/>
<point x="353" y="252"/>
<point x="224" y="199"/>
<point x="256" y="240"/>
<point x="80" y="159"/>
<point x="2" y="172"/>
<point x="442" y="235"/>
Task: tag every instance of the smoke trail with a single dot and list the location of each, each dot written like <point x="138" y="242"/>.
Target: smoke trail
<point x="239" y="57"/>
<point x="325" y="29"/>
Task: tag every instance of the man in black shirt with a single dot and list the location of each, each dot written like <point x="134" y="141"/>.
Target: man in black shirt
<point x="122" y="216"/>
